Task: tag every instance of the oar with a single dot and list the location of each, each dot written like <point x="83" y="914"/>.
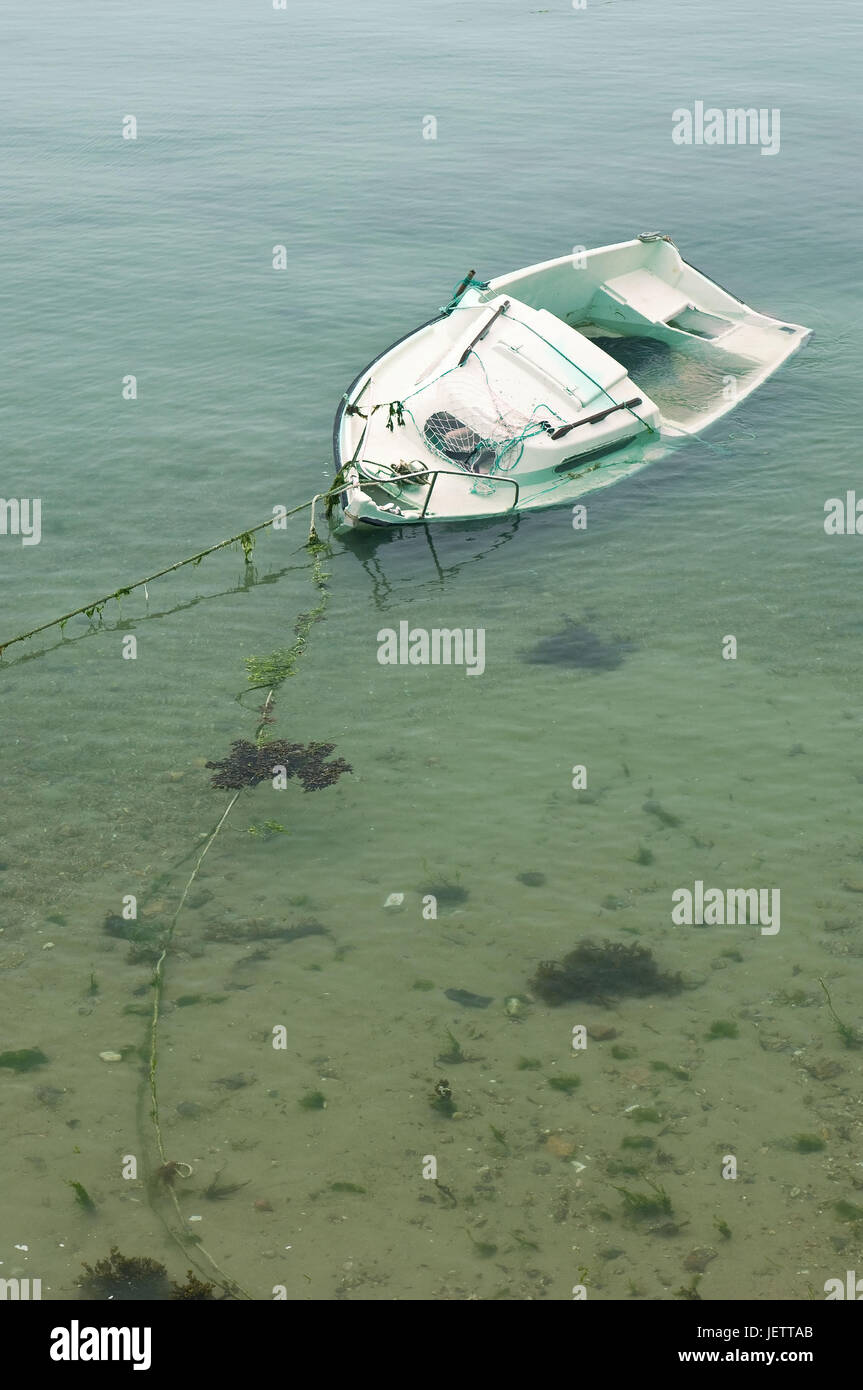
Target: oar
<point x="592" y="419"/>
<point x="481" y="334"/>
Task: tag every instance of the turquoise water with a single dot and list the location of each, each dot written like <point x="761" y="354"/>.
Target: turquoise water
<point x="153" y="257"/>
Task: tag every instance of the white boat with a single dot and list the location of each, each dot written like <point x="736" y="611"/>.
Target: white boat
<point x="533" y="389"/>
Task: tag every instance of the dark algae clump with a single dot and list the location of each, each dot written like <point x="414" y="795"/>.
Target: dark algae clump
<point x="217" y="1192"/>
<point x="640" y="1205"/>
<point x="193" y="1289"/>
<point x="603" y="970"/>
<point x="531" y="879"/>
<point x="848" y="1211"/>
<point x="125" y="1278"/>
<point x="722" y="1028"/>
<point x="82" y="1196"/>
<point x="132" y="1278"/>
<point x="456" y="1053"/>
<point x="564" y="1083"/>
<point x="25" y="1059"/>
<point x="446" y="893"/>
<point x="247" y="764"/>
<point x="808" y="1143"/>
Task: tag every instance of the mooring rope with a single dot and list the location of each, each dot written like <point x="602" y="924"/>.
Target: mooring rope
<point x="243" y="538"/>
<point x="163" y="1179"/>
<point x="158" y="984"/>
<point x="168" y="1169"/>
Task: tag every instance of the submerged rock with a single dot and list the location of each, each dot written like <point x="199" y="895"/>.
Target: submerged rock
<point x="469" y="1000"/>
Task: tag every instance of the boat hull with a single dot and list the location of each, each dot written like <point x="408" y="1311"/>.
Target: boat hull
<point x="546" y="384"/>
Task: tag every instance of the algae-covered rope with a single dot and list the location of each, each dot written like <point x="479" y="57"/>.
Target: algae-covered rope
<point x="287" y="669"/>
<point x="158" y="977"/>
<point x="243" y="538"/>
<point x="158" y="983"/>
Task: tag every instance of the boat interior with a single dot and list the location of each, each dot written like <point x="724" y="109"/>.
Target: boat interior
<point x="678" y="334"/>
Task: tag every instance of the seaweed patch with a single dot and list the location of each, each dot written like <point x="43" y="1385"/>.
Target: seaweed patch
<point x="578" y="645"/>
<point x="247" y="764"/>
<point x="603" y="970"/>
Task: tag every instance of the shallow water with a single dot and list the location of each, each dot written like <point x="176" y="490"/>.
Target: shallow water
<point x="153" y="258"/>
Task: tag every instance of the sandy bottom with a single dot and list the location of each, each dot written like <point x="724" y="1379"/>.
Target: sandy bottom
<point x="460" y="786"/>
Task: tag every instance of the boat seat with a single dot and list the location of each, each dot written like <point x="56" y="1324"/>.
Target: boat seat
<point x="648" y="295"/>
<point x="566" y="363"/>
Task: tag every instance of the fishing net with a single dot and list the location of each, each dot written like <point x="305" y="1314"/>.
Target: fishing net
<point x="471" y="421"/>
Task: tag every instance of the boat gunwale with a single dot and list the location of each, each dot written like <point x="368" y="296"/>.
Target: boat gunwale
<point x="366" y="371"/>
